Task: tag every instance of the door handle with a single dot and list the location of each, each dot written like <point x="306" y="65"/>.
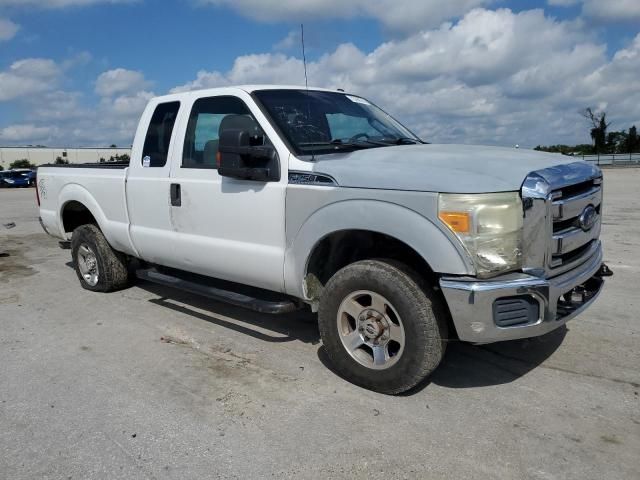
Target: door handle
<point x="176" y="196"/>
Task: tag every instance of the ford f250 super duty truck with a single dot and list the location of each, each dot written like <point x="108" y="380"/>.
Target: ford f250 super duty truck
<point x="275" y="197"/>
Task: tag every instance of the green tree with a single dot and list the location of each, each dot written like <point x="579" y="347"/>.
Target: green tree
<point x="61" y="161"/>
<point x="633" y="142"/>
<point x="119" y="158"/>
<point x="21" y="163"/>
<point x="616" y="142"/>
<point x="599" y="128"/>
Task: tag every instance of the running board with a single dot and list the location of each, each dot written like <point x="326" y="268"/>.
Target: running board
<point x="283" y="305"/>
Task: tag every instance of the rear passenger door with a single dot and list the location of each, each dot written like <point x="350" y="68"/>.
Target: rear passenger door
<point x="148" y="183"/>
<point x="227" y="228"/>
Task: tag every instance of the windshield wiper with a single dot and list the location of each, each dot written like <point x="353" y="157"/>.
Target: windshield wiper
<point x="335" y="145"/>
<point x="401" y="141"/>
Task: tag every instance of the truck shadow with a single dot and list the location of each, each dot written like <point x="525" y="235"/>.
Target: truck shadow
<point x="471" y="366"/>
<point x="464" y="365"/>
<point x="300" y="325"/>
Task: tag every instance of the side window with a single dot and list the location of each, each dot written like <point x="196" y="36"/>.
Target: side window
<point x="156" y="144"/>
<point x="203" y="129"/>
<point x="346" y="126"/>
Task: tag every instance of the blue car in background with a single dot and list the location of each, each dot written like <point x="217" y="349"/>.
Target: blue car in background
<point x="17" y="178"/>
<point x="31" y="177"/>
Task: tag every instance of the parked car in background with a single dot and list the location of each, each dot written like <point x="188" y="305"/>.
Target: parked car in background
<point x="31" y="177"/>
<point x="30" y="174"/>
<point x="17" y="178"/>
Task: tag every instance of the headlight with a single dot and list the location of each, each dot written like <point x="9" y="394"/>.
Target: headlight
<point x="489" y="225"/>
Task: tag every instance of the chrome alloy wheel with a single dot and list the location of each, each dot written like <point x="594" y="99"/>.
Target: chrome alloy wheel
<point x="88" y="264"/>
<point x="371" y="329"/>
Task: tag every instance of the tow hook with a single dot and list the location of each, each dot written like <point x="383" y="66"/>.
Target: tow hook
<point x="604" y="271"/>
<point x="579" y="295"/>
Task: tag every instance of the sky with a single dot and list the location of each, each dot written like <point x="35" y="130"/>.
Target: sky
<point x="79" y="72"/>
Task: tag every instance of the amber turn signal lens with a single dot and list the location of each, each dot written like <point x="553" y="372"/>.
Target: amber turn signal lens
<point x="459" y="222"/>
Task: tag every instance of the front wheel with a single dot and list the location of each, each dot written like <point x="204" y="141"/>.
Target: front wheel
<point x="380" y="328"/>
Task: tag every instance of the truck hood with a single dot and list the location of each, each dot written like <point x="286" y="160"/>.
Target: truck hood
<point x="436" y="168"/>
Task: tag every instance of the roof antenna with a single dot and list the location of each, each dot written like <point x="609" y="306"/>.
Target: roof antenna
<point x="304" y="57"/>
<point x="306" y="82"/>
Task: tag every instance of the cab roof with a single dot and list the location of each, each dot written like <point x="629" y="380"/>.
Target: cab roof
<point x="246" y="88"/>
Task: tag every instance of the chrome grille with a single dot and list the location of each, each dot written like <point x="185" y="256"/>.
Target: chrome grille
<point x="571" y="237"/>
<point x="562" y="207"/>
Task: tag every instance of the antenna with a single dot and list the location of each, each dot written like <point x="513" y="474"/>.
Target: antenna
<point x="304" y="57"/>
<point x="306" y="82"/>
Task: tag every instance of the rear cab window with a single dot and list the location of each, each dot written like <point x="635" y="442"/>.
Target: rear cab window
<point x="158" y="138"/>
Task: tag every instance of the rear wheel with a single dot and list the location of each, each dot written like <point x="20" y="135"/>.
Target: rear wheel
<point x="380" y="328"/>
<point x="98" y="266"/>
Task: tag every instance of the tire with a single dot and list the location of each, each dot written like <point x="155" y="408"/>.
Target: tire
<point x="406" y="355"/>
<point x="98" y="266"/>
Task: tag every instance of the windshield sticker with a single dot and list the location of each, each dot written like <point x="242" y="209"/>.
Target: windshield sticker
<point x="146" y="161"/>
<point x="358" y="100"/>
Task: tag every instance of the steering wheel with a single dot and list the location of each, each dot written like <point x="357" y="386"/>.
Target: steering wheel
<point x="358" y="136"/>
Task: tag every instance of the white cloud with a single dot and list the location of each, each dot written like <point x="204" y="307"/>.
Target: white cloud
<point x="292" y="40"/>
<point x="79" y="59"/>
<point x="57" y="3"/>
<point x="409" y="15"/>
<point x="612" y="10"/>
<point x="8" y="29"/>
<point x="563" y="3"/>
<point x="27" y="77"/>
<point x="493" y="77"/>
<point x="30" y="132"/>
<point x="203" y="79"/>
<point x="605" y="11"/>
<point x="53" y="116"/>
<point x="129" y="105"/>
<point x="119" y="81"/>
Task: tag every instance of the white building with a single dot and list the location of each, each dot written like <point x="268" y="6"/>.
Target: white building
<point x="43" y="155"/>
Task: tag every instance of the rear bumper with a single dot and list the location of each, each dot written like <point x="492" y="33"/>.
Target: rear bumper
<point x="471" y="301"/>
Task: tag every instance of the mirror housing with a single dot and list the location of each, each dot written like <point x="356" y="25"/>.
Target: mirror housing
<point x="239" y="157"/>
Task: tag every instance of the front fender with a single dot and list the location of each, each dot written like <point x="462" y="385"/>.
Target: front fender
<point x="402" y="223"/>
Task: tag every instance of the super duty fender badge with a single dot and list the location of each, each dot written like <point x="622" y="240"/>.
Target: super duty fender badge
<point x="146" y="161"/>
<point x="42" y="189"/>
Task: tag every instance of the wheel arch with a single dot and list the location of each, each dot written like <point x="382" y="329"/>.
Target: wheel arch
<point x="380" y="221"/>
<point x="75" y="198"/>
<point x="73" y="214"/>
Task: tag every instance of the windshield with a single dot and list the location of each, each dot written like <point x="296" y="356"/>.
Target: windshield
<point x="326" y="122"/>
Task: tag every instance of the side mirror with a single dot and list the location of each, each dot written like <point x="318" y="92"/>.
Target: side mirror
<point x="239" y="157"/>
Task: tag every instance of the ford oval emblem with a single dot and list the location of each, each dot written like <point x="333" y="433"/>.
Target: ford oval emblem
<point x="587" y="218"/>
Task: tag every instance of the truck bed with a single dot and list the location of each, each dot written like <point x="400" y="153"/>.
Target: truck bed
<point x="100" y="187"/>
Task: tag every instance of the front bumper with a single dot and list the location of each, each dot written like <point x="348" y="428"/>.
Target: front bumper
<point x="471" y="301"/>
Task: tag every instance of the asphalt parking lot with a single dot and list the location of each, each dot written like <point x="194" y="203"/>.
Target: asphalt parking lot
<point x="153" y="383"/>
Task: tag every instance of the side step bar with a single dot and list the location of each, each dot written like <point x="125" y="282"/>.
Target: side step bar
<point x="283" y="305"/>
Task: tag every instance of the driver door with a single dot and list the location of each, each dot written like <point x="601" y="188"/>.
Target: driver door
<point x="225" y="228"/>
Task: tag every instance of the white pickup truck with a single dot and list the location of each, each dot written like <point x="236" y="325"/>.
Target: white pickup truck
<point x="274" y="197"/>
